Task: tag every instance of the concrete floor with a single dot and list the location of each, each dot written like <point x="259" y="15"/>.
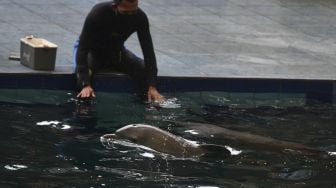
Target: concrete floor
<point x="293" y="39"/>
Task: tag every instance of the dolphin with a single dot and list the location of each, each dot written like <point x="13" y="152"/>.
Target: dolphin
<point x="165" y="142"/>
<point x="257" y="141"/>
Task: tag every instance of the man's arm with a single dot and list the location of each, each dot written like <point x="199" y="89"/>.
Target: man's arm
<point x="83" y="71"/>
<point x="146" y="44"/>
<point x="83" y="75"/>
<point x="82" y="67"/>
<point x="150" y="60"/>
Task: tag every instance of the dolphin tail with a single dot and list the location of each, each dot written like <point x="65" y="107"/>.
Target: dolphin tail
<point x="215" y="151"/>
<point x="316" y="153"/>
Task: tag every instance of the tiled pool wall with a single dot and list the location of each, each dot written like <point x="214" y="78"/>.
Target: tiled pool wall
<point x="334" y="93"/>
<point x="315" y="90"/>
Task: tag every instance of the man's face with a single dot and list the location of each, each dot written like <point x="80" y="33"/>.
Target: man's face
<point x="128" y="7"/>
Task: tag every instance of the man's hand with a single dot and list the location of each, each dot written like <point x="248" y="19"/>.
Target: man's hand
<point x="154" y="95"/>
<point x="86" y="92"/>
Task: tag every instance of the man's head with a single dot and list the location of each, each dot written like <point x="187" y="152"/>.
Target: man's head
<point x="127" y="6"/>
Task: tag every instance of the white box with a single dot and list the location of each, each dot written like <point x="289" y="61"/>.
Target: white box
<point x="38" y="53"/>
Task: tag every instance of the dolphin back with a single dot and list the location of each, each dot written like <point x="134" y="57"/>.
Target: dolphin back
<point x="215" y="151"/>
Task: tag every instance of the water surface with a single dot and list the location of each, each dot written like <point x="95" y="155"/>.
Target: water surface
<point x="48" y="139"/>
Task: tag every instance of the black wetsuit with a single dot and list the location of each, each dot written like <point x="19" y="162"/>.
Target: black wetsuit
<point x="101" y="45"/>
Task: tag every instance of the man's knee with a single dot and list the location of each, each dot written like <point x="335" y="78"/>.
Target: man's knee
<point x="130" y="58"/>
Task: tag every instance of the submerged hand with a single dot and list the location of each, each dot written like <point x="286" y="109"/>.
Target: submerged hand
<point x="86" y="92"/>
<point x="154" y="95"/>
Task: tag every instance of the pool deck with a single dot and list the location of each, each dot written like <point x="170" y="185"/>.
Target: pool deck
<point x="213" y="43"/>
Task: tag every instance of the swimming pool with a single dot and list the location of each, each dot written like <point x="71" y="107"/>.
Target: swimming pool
<point x="48" y="139"/>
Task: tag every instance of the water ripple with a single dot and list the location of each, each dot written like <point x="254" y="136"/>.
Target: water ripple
<point x="298" y="175"/>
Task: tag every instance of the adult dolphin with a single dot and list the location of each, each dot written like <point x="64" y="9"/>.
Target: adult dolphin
<point x="165" y="142"/>
<point x="267" y="143"/>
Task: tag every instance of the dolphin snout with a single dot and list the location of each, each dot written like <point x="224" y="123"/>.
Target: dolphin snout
<point x="108" y="137"/>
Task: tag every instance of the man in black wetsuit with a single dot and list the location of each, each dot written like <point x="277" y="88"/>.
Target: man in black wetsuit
<point x="101" y="46"/>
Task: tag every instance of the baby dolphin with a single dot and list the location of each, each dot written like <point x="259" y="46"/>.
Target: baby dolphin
<point x="257" y="141"/>
<point x="165" y="142"/>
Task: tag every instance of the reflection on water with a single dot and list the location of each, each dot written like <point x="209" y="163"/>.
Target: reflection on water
<point x="15" y="167"/>
<point x="54" y="141"/>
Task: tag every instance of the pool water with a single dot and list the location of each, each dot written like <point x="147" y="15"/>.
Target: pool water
<point x="49" y="139"/>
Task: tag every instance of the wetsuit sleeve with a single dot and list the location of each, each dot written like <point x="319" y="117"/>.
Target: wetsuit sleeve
<point x="85" y="44"/>
<point x="82" y="69"/>
<point x="146" y="44"/>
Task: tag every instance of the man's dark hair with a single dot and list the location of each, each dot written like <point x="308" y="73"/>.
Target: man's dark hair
<point x="118" y="1"/>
